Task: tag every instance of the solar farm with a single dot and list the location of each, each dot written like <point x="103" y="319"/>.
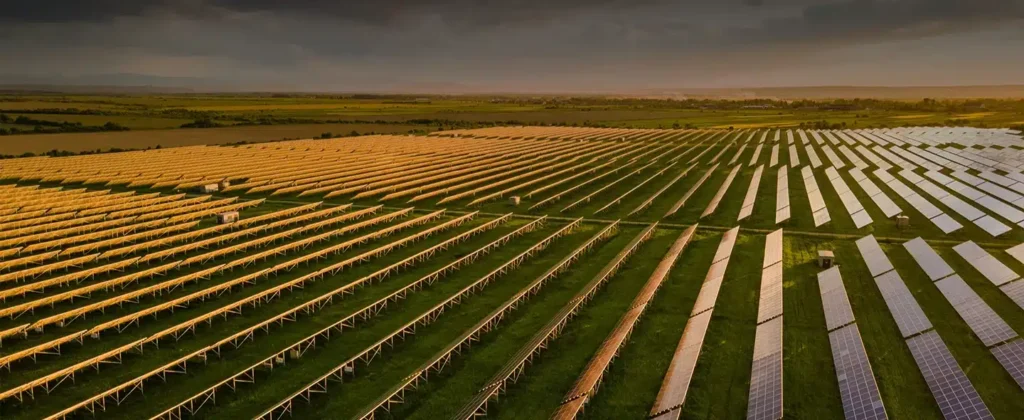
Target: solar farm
<point x="520" y="273"/>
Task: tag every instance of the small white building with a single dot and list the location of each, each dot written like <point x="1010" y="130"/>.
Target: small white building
<point x="229" y="217"/>
<point x="208" y="188"/>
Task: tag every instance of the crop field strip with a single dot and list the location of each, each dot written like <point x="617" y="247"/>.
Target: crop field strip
<point x="93" y="253"/>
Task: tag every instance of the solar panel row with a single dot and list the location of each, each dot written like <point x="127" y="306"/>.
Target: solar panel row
<point x="748" y="201"/>
<point x="765" y="397"/>
<point x="857" y="386"/>
<point x="674" y="387"/>
<point x="953" y="392"/>
<point x="853" y="206"/>
<point x="782" y="210"/>
<point x="818" y="209"/>
<point x="928" y="210"/>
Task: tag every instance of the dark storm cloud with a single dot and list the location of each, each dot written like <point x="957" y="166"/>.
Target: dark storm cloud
<point x="540" y="41"/>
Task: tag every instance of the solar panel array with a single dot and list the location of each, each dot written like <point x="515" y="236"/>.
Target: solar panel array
<point x="757" y="153"/>
<point x="953" y="392"/>
<point x="749" y="200"/>
<point x="990" y="267"/>
<point x="884" y="203"/>
<point x="676" y="384"/>
<point x="765" y="397"/>
<point x="853" y="207"/>
<point x="717" y="199"/>
<point x="987" y="223"/>
<point x="838" y="312"/>
<point x="782" y="210"/>
<point x="774" y="158"/>
<point x="794" y="158"/>
<point x="813" y="156"/>
<point x="941" y="220"/>
<point x="857" y="386"/>
<point x="818" y="209"/>
<point x="855" y="160"/>
<point x="986" y="324"/>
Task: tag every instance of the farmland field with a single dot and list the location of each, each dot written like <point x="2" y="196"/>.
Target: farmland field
<point x="517" y="272"/>
<point x="179" y="120"/>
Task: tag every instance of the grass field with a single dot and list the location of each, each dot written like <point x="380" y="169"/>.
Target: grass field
<point x="369" y="317"/>
<point x="161" y="114"/>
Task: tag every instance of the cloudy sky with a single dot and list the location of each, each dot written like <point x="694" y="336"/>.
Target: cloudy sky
<point x="516" y="45"/>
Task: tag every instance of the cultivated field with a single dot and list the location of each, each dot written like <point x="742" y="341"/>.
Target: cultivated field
<point x="520" y="272"/>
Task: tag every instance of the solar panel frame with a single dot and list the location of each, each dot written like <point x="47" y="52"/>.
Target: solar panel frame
<point x="770" y="299"/>
<point x="821" y="217"/>
<point x="983" y="321"/>
<point x="680" y="372"/>
<point x="834" y="299"/>
<point x="765" y="397"/>
<point x="953" y="392"/>
<point x="990" y="267"/>
<point x="905" y="310"/>
<point x="992" y="226"/>
<point x="1011" y="357"/>
<point x="873" y="256"/>
<point x="772" y="249"/>
<point x="928" y="259"/>
<point x="857" y="386"/>
<point x="946" y="224"/>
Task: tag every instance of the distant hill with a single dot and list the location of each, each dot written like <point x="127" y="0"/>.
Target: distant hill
<point x="127" y="83"/>
<point x="849" y="92"/>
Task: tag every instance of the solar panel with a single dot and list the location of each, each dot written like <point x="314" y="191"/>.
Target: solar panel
<point x="968" y="178"/>
<point x="961" y="207"/>
<point x="908" y="314"/>
<point x="939" y="177"/>
<point x="770" y="300"/>
<point x="1011" y="356"/>
<point x="873" y="255"/>
<point x="884" y="175"/>
<point x="1017" y="252"/>
<point x="857" y="174"/>
<point x="928" y="259"/>
<point x="748" y="200"/>
<point x="816" y="200"/>
<point x="1001" y="209"/>
<point x="821" y="217"/>
<point x="956" y="397"/>
<point x="861" y="219"/>
<point x="985" y="323"/>
<point x="773" y="248"/>
<point x="794" y="158"/>
<point x="861" y="399"/>
<point x="765" y="398"/>
<point x="923" y="206"/>
<point x="900" y="188"/>
<point x="946" y="224"/>
<point x="677" y="379"/>
<point x="911" y="176"/>
<point x="993" y="269"/>
<point x="813" y="156"/>
<point x="782" y="215"/>
<point x="708" y="295"/>
<point x="726" y="244"/>
<point x="774" y="160"/>
<point x="992" y="226"/>
<point x="834" y="299"/>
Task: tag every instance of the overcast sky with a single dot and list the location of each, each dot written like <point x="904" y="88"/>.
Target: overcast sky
<point x="519" y="45"/>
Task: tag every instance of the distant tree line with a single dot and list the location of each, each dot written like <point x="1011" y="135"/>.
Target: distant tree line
<point x="48" y="127"/>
